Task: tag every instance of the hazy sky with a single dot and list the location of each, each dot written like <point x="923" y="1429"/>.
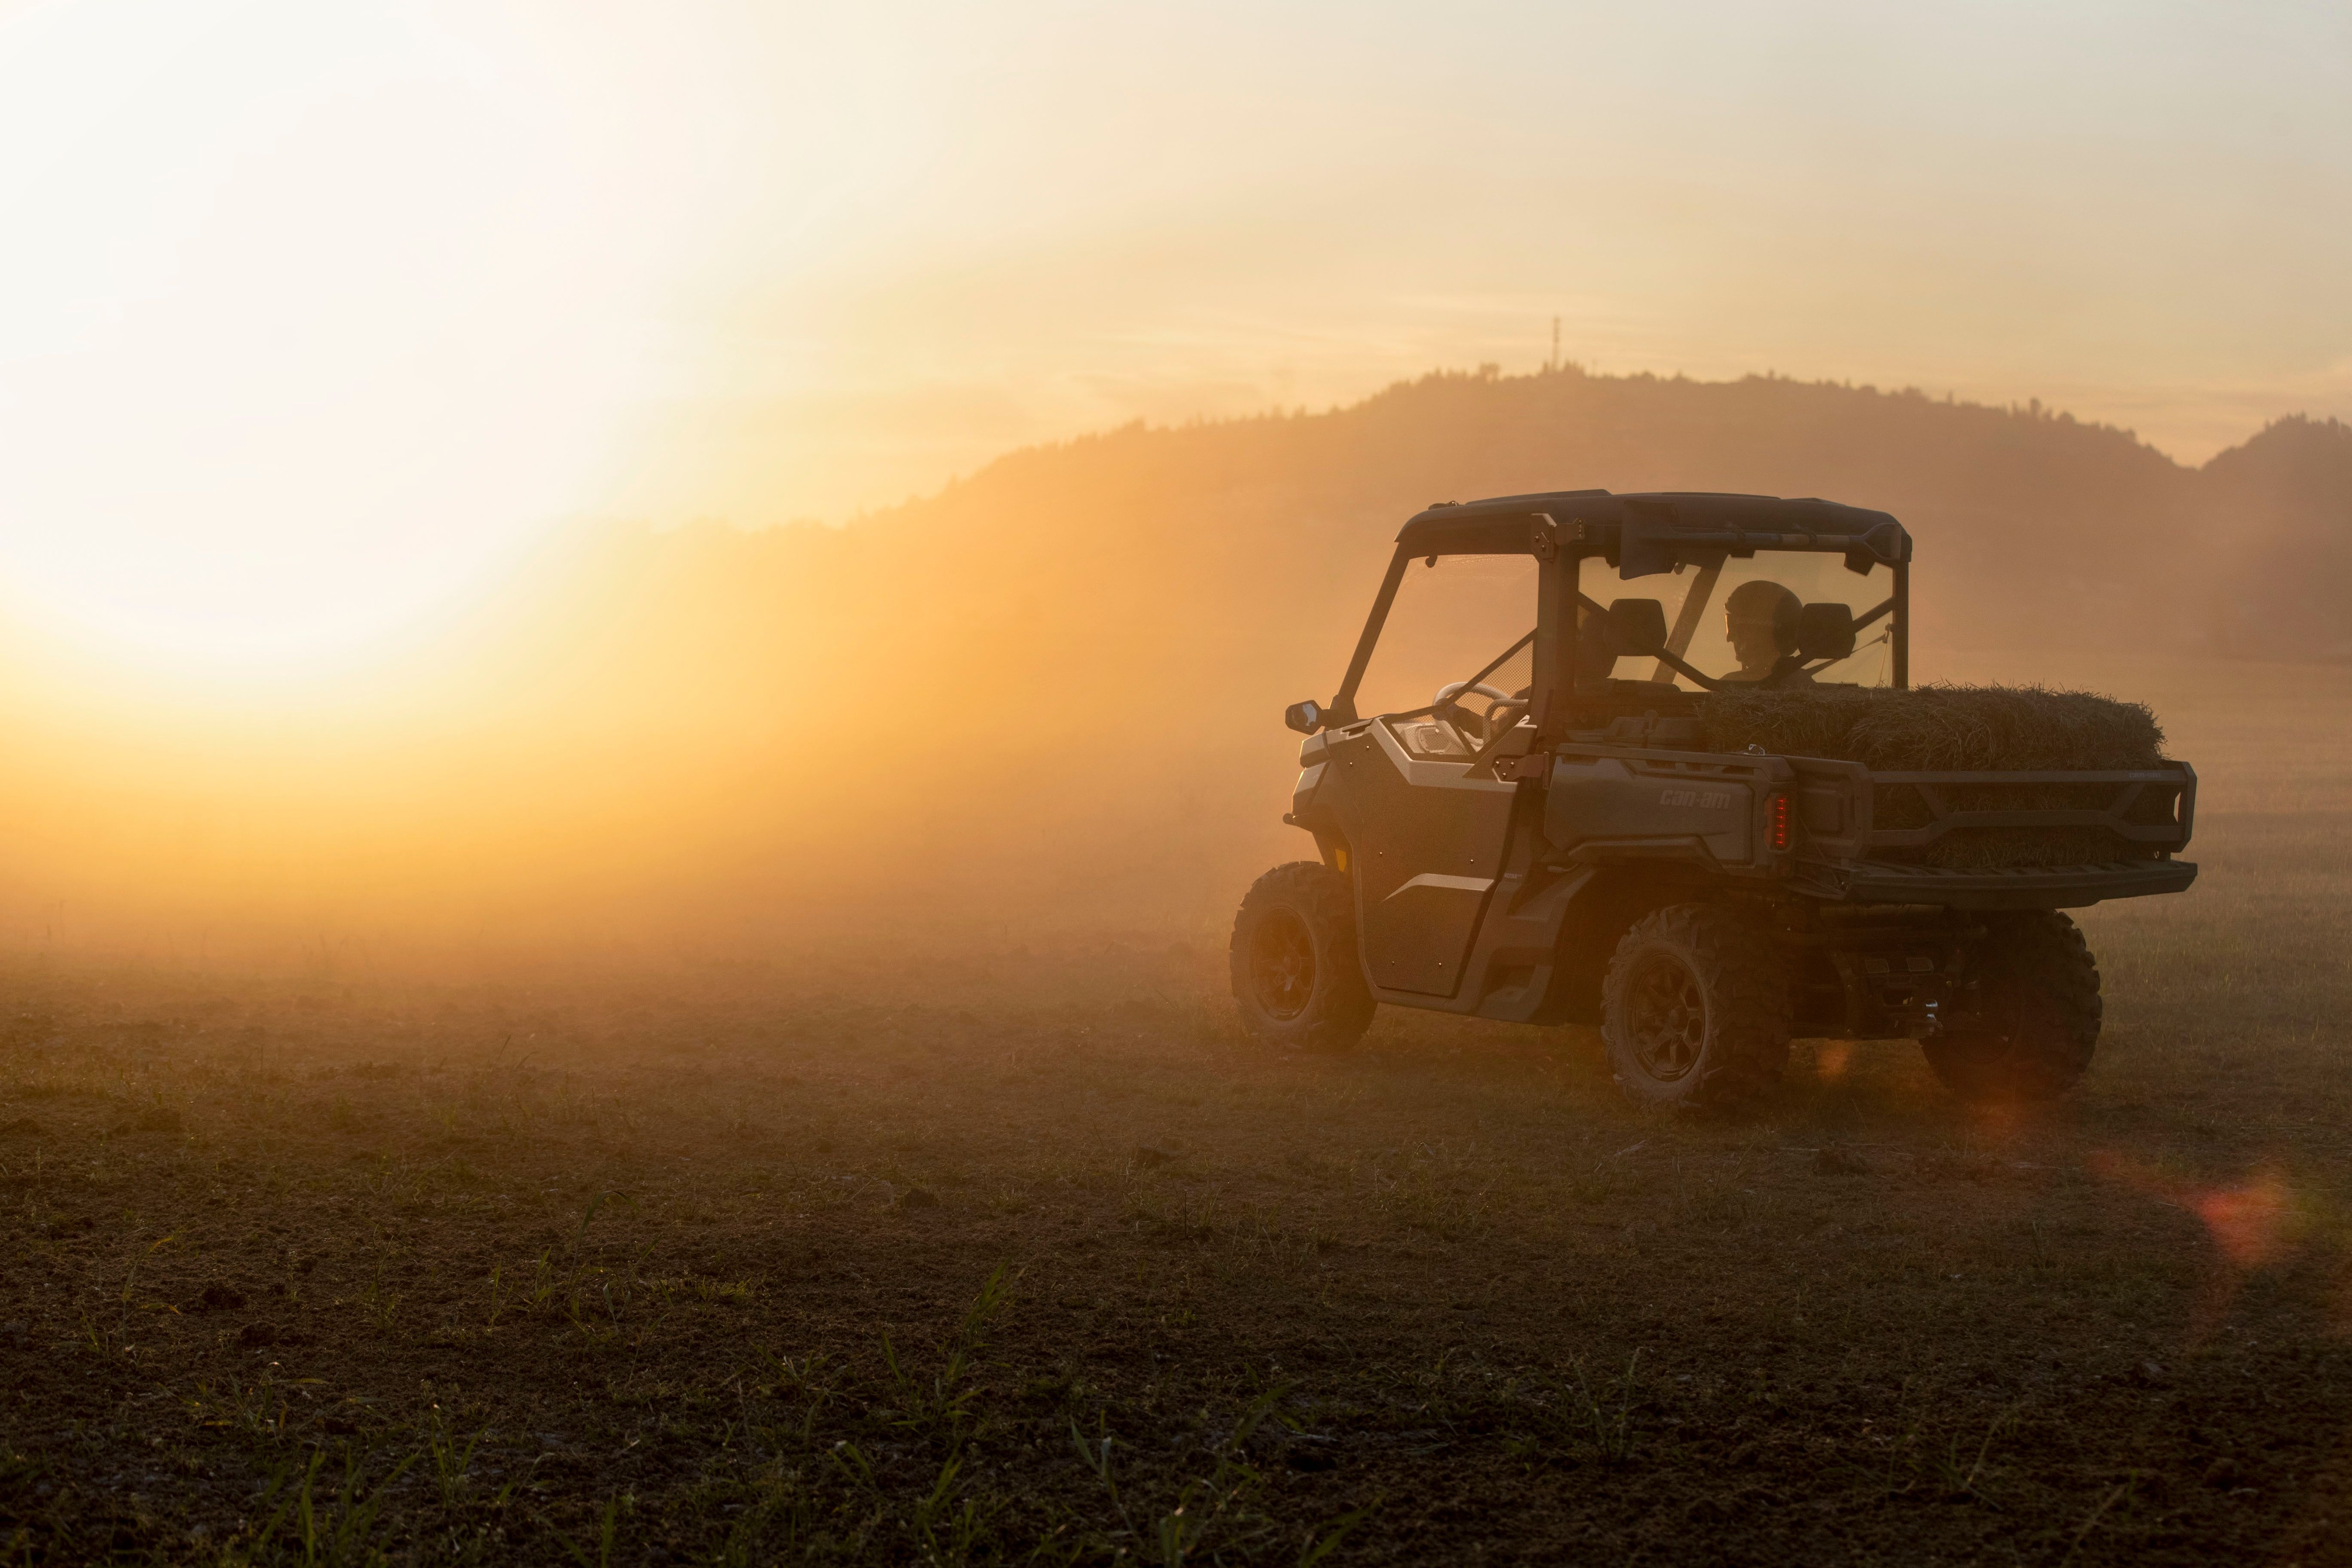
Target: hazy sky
<point x="309" y="311"/>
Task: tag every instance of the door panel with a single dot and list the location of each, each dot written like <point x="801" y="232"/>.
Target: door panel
<point x="1428" y="846"/>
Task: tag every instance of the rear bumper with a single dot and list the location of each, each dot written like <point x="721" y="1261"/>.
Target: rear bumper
<point x="2020" y="888"/>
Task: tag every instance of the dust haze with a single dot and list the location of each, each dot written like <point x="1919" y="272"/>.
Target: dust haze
<point x="1044" y="700"/>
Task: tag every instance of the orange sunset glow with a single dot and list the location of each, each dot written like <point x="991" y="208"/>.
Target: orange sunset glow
<point x="331" y="336"/>
<point x="1253" y="783"/>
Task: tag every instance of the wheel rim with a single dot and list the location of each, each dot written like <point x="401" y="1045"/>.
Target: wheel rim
<point x="1666" y="1017"/>
<point x="1282" y="964"/>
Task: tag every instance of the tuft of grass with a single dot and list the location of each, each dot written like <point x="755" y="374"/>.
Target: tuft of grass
<point x="329" y="1532"/>
<point x="450" y="1462"/>
<point x="259" y="1411"/>
<point x="594" y="1205"/>
<point x="608" y="1524"/>
<point x="940" y="1407"/>
<point x="1212" y="1515"/>
<point x="1957" y="1479"/>
<point x="1609" y="1430"/>
<point x="379" y="1305"/>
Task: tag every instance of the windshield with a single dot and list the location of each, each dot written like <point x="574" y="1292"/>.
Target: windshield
<point x="1737" y="620"/>
<point x="1449" y="622"/>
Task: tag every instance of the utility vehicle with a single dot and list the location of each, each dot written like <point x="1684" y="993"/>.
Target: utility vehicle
<point x="1532" y="801"/>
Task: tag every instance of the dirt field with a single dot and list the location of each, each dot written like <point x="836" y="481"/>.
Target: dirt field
<point x="1004" y="1255"/>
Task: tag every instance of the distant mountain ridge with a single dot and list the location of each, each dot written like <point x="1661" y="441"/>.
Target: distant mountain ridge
<point x="2034" y="527"/>
<point x="1242" y="552"/>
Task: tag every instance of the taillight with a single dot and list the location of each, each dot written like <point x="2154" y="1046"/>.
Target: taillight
<point x="1779" y="830"/>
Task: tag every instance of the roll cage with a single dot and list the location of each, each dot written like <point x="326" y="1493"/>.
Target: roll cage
<point x="1638" y="535"/>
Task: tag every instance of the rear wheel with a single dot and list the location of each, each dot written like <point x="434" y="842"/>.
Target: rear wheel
<point x="1296" y="975"/>
<point x="1696" y="1008"/>
<point x="2031" y="1022"/>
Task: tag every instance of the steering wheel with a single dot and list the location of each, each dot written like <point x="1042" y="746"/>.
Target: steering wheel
<point x="1456" y="688"/>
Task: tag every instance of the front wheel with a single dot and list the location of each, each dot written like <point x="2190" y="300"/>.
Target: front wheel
<point x="1696" y="1008"/>
<point x="1297" y="978"/>
<point x="2029" y="1024"/>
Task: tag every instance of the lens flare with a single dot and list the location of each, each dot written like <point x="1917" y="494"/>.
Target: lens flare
<point x="2253" y="1224"/>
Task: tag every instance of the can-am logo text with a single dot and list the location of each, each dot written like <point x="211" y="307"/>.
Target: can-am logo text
<point x="1705" y="800"/>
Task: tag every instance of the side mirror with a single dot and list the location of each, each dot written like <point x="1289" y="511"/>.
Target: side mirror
<point x="1303" y="716"/>
<point x="1825" y="631"/>
<point x="1637" y="627"/>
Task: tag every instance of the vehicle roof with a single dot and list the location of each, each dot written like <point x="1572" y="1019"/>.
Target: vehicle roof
<point x="1498" y="525"/>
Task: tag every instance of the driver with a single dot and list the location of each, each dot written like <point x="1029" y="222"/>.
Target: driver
<point x="1760" y="622"/>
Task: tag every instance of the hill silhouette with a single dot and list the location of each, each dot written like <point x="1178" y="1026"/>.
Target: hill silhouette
<point x="2285" y="500"/>
<point x="1228" y="546"/>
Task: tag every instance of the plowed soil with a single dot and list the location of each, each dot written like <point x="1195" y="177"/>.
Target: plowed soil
<point x="891" y="1253"/>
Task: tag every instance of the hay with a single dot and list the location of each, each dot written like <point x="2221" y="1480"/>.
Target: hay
<point x="1963" y="729"/>
<point x="1938" y="728"/>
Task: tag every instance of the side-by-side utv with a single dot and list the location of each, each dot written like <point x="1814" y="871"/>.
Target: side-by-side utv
<point x="1653" y="762"/>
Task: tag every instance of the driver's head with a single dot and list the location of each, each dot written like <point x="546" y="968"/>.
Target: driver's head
<point x="1761" y="619"/>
